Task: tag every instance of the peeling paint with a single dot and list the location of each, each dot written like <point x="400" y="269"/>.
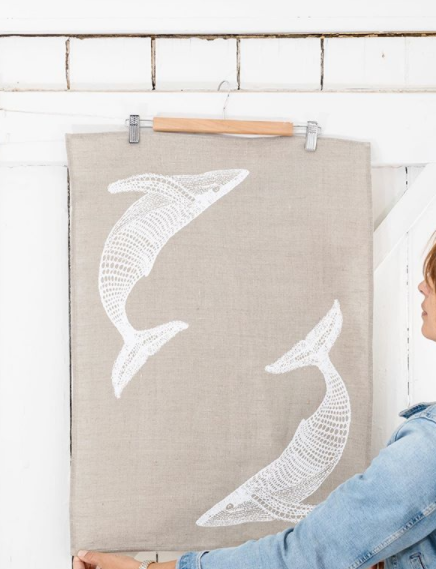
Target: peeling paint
<point x="67" y="63"/>
<point x="322" y="64"/>
<point x="153" y="64"/>
<point x="238" y="63"/>
<point x="237" y="36"/>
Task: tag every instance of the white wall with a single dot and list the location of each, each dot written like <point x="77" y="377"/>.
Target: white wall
<point x="380" y="88"/>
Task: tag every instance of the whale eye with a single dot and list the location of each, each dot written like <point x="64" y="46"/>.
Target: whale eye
<point x="229" y="506"/>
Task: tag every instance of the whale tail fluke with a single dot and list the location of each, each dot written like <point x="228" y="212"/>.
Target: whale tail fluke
<point x="326" y="332"/>
<point x="139" y="345"/>
<point x="314" y="347"/>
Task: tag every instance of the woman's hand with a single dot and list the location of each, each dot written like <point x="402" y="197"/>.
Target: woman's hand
<point x="93" y="559"/>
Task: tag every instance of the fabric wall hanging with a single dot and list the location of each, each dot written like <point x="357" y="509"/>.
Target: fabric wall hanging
<point x="221" y="334"/>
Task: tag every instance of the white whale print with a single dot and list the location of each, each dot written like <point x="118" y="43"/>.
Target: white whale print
<point x="130" y="250"/>
<point x="276" y="491"/>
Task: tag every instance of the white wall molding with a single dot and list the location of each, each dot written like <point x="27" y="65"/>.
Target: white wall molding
<point x="405" y="213"/>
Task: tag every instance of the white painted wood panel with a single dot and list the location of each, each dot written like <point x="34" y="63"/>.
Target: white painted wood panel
<point x="236" y="26"/>
<point x="227" y="16"/>
<point x="195" y="63"/>
<point x="110" y="64"/>
<point x="388" y="185"/>
<point x="420" y="56"/>
<point x="32" y="63"/>
<point x="405" y="214"/>
<point x="370" y="63"/>
<point x="390" y="345"/>
<point x="34" y="368"/>
<point x="281" y="63"/>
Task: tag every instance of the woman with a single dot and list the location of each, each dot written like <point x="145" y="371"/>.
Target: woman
<point x="387" y="513"/>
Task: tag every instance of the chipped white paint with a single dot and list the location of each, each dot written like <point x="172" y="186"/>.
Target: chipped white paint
<point x="370" y="63"/>
<point x="281" y="64"/>
<point x="32" y="63"/>
<point x="110" y="64"/>
<point x="195" y="63"/>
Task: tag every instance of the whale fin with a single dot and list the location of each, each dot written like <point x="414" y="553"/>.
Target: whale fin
<point x="314" y="347"/>
<point x="139" y="345"/>
<point x="140" y="183"/>
<point x="284" y="509"/>
<point x="236" y="509"/>
<point x="220" y="515"/>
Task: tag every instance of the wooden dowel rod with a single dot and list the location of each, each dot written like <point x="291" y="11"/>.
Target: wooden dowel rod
<point x="215" y="126"/>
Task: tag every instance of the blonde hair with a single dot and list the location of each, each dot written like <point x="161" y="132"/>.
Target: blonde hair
<point x="429" y="267"/>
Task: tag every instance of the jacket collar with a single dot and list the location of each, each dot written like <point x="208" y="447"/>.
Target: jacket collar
<point x="415" y="408"/>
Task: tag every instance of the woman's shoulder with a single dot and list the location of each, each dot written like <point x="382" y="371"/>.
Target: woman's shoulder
<point x="426" y="409"/>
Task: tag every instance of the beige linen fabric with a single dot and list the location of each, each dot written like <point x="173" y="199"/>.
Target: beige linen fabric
<point x="251" y="275"/>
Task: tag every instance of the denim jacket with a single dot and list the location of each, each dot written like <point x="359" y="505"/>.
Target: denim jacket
<point x="387" y="513"/>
